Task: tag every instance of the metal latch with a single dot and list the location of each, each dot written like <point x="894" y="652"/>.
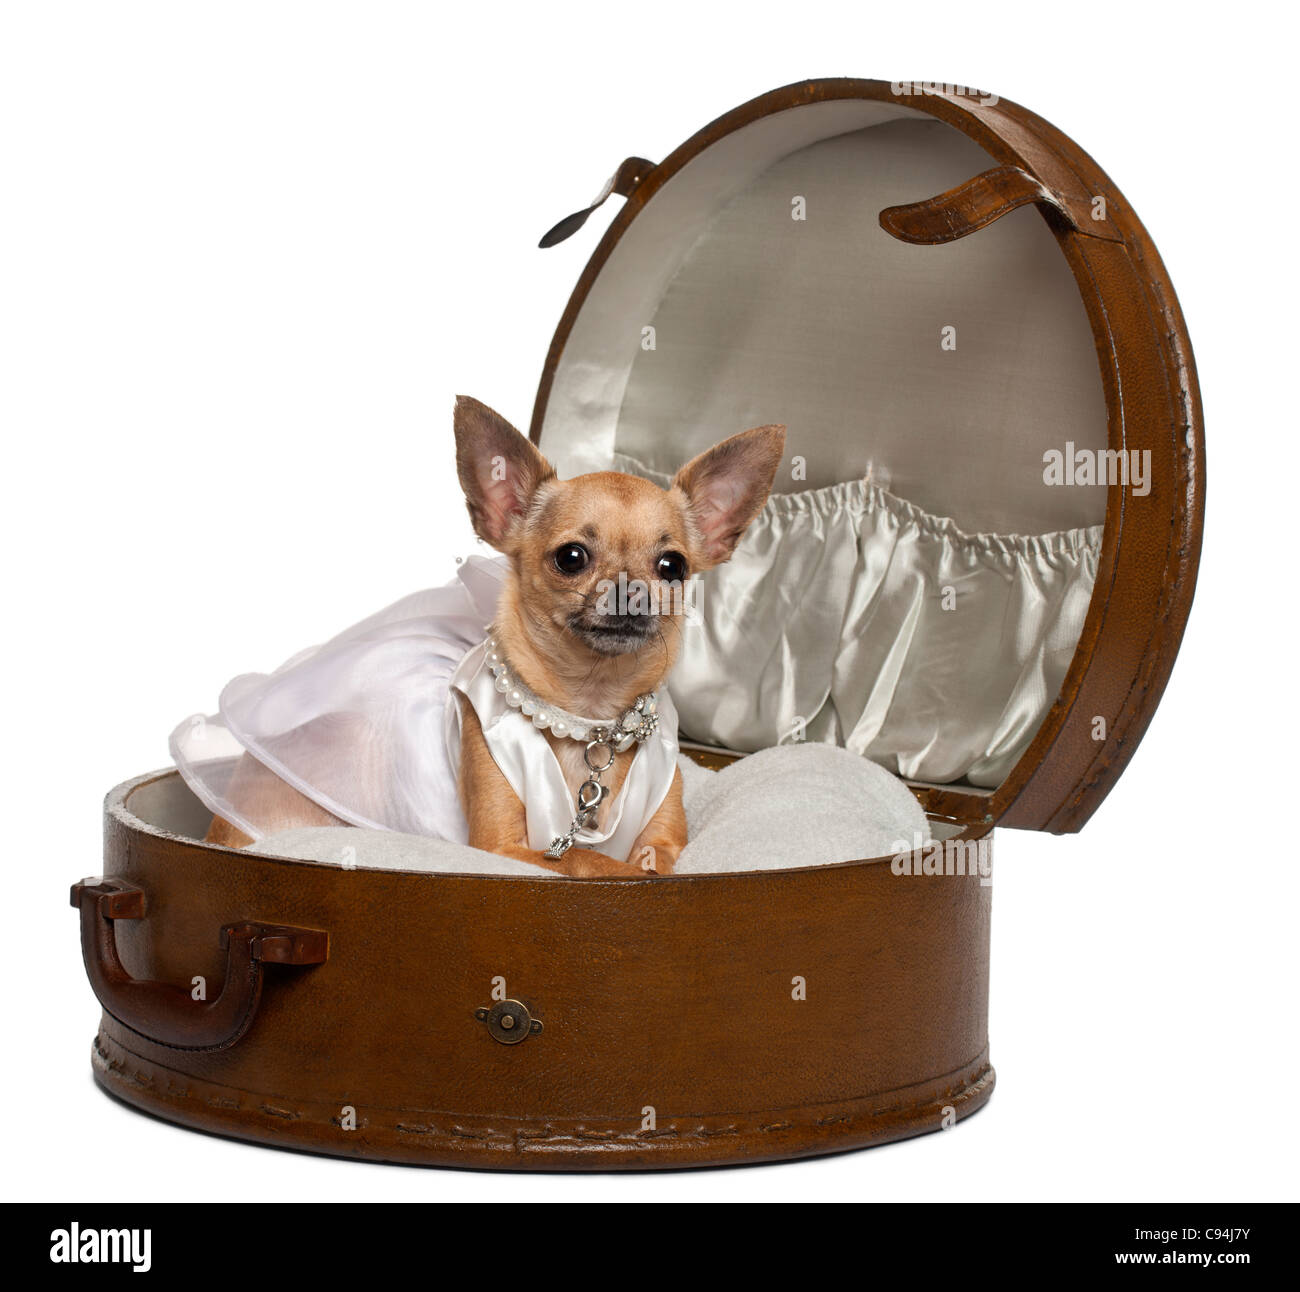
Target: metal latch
<point x="509" y="1021"/>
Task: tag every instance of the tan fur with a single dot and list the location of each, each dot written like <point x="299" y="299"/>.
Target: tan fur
<point x="261" y="796"/>
<point x="548" y="622"/>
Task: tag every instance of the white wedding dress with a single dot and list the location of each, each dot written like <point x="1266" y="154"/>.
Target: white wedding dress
<point x="362" y="726"/>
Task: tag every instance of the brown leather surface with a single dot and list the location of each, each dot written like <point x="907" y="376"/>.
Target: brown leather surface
<point x="1151" y="545"/>
<point x="675" y="994"/>
<point x="556" y="1144"/>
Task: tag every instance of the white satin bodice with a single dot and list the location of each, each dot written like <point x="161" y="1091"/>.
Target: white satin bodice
<point x="527" y="761"/>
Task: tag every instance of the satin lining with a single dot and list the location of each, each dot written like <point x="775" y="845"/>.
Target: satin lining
<point x="863" y="496"/>
<point x="852" y="616"/>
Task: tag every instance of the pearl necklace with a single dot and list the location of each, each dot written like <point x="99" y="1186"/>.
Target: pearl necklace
<point x="638" y="724"/>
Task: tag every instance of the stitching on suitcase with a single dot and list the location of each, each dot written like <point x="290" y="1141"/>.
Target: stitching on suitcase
<point x="286" y="1113"/>
<point x="1175" y="373"/>
<point x="956" y="1093"/>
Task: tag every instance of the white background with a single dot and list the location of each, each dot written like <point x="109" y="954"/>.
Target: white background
<point x="251" y="251"/>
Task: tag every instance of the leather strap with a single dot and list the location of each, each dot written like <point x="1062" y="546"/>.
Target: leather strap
<point x="980" y="201"/>
<point x="629" y="174"/>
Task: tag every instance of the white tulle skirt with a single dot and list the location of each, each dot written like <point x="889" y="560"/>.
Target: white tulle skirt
<point x="357" y="724"/>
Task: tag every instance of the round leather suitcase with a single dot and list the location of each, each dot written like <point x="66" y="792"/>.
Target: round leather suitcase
<point x="940" y="294"/>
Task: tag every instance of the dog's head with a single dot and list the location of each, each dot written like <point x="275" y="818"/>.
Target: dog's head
<point x="606" y="557"/>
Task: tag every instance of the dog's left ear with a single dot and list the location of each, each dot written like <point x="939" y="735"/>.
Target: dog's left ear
<point x="499" y="471"/>
<point x="726" y="487"/>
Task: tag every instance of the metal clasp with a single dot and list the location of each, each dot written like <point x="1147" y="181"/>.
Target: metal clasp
<point x="509" y="1021"/>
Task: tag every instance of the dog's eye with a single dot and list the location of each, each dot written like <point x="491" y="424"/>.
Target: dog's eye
<point x="671" y="567"/>
<point x="571" y="558"/>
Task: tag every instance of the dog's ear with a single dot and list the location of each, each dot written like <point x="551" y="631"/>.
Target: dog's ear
<point x="726" y="487"/>
<point x="499" y="470"/>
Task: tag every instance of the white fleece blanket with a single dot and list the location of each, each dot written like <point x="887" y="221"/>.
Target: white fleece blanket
<point x="793" y="805"/>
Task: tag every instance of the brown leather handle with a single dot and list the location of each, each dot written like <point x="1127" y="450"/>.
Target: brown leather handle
<point x="987" y="197"/>
<point x="166" y="1014"/>
<point x="629" y="174"/>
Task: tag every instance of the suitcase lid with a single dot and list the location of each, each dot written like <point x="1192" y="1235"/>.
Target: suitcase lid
<point x="858" y="260"/>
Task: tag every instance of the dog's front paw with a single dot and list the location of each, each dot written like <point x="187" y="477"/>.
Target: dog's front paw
<point x="586" y="863"/>
<point x="655" y="858"/>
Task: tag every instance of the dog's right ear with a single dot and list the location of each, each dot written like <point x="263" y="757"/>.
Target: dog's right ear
<point x="499" y="471"/>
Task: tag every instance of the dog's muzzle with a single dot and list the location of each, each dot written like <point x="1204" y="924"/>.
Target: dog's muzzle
<point x="615" y="634"/>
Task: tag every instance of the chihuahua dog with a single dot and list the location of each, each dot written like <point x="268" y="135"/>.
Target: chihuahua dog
<point x="567" y="541"/>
